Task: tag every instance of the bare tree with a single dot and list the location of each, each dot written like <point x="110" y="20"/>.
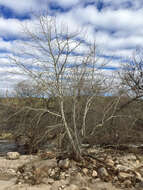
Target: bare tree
<point x="131" y="76"/>
<point x="25" y="89"/>
<point x="56" y="66"/>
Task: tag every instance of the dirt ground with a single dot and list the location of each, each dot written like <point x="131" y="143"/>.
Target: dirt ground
<point x="10" y="185"/>
<point x="8" y="178"/>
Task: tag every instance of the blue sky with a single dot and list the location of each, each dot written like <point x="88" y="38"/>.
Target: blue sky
<point x="115" y="25"/>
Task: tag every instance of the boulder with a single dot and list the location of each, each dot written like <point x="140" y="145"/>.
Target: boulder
<point x="12" y="155"/>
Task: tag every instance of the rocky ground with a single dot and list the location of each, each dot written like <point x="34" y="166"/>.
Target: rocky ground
<point x="99" y="170"/>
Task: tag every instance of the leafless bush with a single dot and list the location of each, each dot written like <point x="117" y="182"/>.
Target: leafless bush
<point x="32" y="128"/>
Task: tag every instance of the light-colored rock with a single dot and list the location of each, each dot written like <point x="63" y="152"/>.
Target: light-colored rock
<point x="62" y="175"/>
<point x="138" y="177"/>
<point x="12" y="155"/>
<point x="61" y="187"/>
<point x="123" y="176"/>
<point x="94" y="174"/>
<point x="85" y="171"/>
<point x="11" y="172"/>
<point x="110" y="162"/>
<point x="137" y="162"/>
<point x="94" y="162"/>
<point x="64" y="164"/>
<point x="122" y="168"/>
<point x="92" y="151"/>
<point x="54" y="173"/>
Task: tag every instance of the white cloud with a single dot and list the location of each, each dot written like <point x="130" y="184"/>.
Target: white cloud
<point x="9" y="27"/>
<point x="25" y="6"/>
<point x="117" y="30"/>
<point x="122" y="19"/>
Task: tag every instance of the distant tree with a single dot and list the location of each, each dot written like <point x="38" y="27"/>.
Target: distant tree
<point x="25" y="89"/>
<point x="131" y="77"/>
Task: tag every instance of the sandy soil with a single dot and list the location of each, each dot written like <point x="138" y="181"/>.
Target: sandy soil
<point x="8" y="179"/>
<point x="9" y="185"/>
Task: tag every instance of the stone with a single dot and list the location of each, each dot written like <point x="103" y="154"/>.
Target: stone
<point x="92" y="151"/>
<point x="11" y="172"/>
<point x="110" y="162"/>
<point x="140" y="170"/>
<point x="116" y="162"/>
<point x="61" y="187"/>
<point x="127" y="183"/>
<point x="123" y="176"/>
<point x="122" y="168"/>
<point x="85" y="171"/>
<point x="64" y="164"/>
<point x="94" y="162"/>
<point x="138" y="177"/>
<point x="12" y="155"/>
<point x="94" y="174"/>
<point x="103" y="173"/>
<point x="54" y="173"/>
<point x="137" y="162"/>
<point x="62" y="175"/>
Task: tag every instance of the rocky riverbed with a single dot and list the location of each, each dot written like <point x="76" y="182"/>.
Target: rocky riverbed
<point x="101" y="169"/>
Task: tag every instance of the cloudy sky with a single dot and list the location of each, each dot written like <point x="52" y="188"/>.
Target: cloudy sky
<point x="115" y="25"/>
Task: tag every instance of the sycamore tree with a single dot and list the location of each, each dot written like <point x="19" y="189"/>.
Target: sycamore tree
<point x="65" y="67"/>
